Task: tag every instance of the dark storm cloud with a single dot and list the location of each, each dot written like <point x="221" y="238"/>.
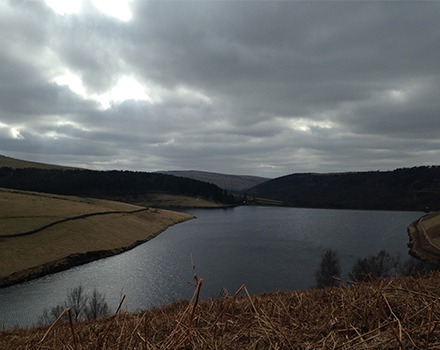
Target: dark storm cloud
<point x="265" y="88"/>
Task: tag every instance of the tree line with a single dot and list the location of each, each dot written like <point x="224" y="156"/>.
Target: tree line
<point x="414" y="188"/>
<point x="370" y="268"/>
<point x="107" y="183"/>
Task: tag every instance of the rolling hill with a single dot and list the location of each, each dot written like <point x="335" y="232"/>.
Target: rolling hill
<point x="414" y="188"/>
<point x="234" y="183"/>
<point x="14" y="163"/>
<point x="142" y="188"/>
<point x="402" y="189"/>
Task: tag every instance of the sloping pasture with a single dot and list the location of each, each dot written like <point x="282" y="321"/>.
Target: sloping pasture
<point x="39" y="231"/>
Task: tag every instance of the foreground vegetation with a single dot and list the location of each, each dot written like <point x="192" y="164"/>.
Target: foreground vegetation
<point x="396" y="313"/>
<point x="81" y="305"/>
<point x="43" y="233"/>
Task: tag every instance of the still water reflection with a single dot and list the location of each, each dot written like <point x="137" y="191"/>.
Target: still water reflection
<point x="265" y="248"/>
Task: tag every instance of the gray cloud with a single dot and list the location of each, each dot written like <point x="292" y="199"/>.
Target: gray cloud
<point x="264" y="88"/>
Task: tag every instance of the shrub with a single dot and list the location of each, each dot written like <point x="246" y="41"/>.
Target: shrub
<point x="417" y="267"/>
<point x="373" y="267"/>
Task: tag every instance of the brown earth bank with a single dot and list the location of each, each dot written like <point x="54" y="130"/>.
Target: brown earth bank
<point x="424" y="237"/>
<point x="396" y="313"/>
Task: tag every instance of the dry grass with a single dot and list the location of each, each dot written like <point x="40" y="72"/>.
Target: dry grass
<point x="20" y="164"/>
<point x="119" y="227"/>
<point x="400" y="313"/>
<point x="22" y="211"/>
<point x="266" y="201"/>
<point x="163" y="200"/>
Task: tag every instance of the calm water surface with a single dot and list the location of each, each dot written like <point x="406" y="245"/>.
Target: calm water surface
<point x="265" y="248"/>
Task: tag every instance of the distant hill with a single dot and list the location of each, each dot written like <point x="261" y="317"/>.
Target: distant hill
<point x="136" y="187"/>
<point x="107" y="184"/>
<point x="22" y="164"/>
<point x="402" y="189"/>
<point x="233" y="183"/>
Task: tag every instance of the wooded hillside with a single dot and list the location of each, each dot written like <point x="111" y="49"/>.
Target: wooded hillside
<point x="106" y="184"/>
<point x="402" y="189"/>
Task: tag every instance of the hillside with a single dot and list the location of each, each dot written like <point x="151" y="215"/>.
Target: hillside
<point x="401" y="189"/>
<point x="396" y="313"/>
<point x="42" y="233"/>
<point x="140" y="188"/>
<point x="233" y="183"/>
<point x="130" y="186"/>
<point x="14" y="163"/>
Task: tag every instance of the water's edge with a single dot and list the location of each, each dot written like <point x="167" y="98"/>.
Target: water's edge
<point x="74" y="260"/>
<point x="264" y="248"/>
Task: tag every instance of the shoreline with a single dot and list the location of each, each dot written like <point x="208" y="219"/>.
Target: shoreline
<point x="76" y="259"/>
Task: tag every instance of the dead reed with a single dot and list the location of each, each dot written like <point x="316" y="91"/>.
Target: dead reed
<point x="397" y="313"/>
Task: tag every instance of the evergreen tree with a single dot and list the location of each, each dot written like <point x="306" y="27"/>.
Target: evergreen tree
<point x="329" y="270"/>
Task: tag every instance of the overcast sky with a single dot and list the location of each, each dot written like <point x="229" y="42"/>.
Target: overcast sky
<point x="264" y="88"/>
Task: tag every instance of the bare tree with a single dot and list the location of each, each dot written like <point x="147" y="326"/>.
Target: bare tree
<point x="49" y="316"/>
<point x="77" y="301"/>
<point x="97" y="306"/>
<point x="373" y="267"/>
<point x="82" y="307"/>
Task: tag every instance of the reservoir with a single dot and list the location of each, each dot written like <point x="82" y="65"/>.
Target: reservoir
<point x="265" y="248"/>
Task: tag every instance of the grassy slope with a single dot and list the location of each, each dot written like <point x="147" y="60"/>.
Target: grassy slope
<point x="398" y="313"/>
<point x="112" y="232"/>
<point x="18" y="163"/>
<point x="23" y="211"/>
<point x="169" y="201"/>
